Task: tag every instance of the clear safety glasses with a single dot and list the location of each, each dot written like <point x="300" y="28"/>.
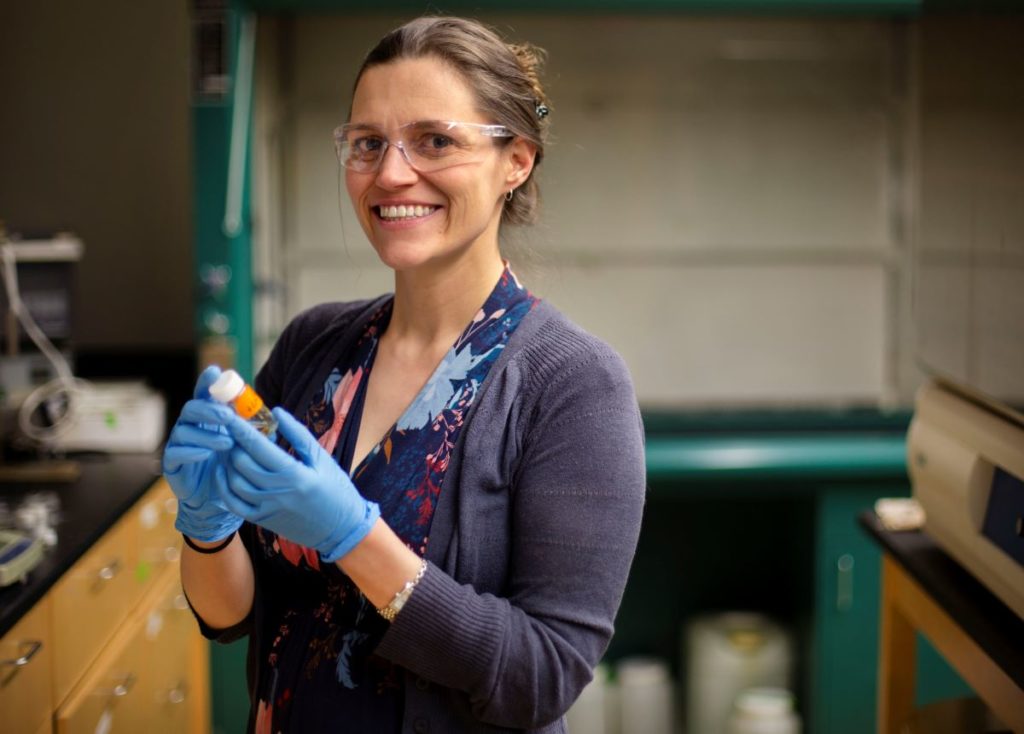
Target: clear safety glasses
<point x="427" y="146"/>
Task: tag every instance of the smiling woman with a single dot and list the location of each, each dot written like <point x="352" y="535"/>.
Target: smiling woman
<point x="460" y="172"/>
<point x="440" y="536"/>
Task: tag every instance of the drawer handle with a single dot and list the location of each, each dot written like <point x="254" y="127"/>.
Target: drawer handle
<point x="844" y="583"/>
<point x="172" y="553"/>
<point x="33" y="647"/>
<point x="123" y="688"/>
<point x="109" y="571"/>
<point x="178" y="694"/>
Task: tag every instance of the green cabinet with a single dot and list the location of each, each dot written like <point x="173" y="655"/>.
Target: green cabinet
<point x="847" y="600"/>
<point x="759" y="512"/>
<point x="846" y="606"/>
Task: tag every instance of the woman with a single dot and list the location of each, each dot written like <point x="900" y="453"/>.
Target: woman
<point x="443" y="541"/>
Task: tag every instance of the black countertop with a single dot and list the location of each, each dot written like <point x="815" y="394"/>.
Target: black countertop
<point x="981" y="614"/>
<point x="106" y="489"/>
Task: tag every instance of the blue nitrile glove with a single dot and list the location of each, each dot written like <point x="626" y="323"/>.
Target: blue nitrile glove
<point x="195" y="465"/>
<point x="306" y="498"/>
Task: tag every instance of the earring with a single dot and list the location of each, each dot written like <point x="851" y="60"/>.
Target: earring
<point x="508" y="194"/>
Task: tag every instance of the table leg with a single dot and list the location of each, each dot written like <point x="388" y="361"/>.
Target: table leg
<point x="897" y="668"/>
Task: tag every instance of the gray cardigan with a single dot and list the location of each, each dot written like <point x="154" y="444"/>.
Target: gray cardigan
<point x="533" y="534"/>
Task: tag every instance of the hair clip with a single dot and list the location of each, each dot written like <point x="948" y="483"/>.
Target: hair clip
<point x="542" y="110"/>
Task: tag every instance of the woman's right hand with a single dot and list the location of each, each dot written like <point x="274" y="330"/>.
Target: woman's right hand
<point x="194" y="464"/>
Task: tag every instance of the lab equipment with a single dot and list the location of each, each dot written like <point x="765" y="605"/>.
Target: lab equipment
<point x="19" y="554"/>
<point x="36" y="382"/>
<point x="232" y="390"/>
<point x="116" y="416"/>
<point x="966" y="467"/>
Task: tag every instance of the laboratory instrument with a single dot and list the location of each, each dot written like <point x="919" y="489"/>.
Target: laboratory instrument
<point x="19" y="554"/>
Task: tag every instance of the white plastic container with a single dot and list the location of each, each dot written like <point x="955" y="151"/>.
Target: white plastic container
<point x="645" y="696"/>
<point x="725" y="654"/>
<point x="590" y="712"/>
<point x="764" y="711"/>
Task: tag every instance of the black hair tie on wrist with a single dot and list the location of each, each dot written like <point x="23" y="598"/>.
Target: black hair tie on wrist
<point x="212" y="549"/>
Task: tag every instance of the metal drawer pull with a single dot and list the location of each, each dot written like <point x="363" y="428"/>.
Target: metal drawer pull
<point x="844" y="583"/>
<point x="177" y="694"/>
<point x="33" y="647"/>
<point x="123" y="688"/>
<point x="109" y="571"/>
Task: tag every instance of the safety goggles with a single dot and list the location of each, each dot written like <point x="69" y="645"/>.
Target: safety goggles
<point x="427" y="146"/>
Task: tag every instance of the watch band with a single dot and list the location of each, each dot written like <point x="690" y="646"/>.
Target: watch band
<point x="395" y="606"/>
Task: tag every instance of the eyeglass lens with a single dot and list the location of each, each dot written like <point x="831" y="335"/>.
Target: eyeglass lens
<point x="426" y="146"/>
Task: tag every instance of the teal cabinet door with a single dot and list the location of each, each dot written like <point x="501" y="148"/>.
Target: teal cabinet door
<point x="846" y="599"/>
<point x="844" y="664"/>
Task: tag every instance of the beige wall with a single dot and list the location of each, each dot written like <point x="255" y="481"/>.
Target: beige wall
<point x="724" y="197"/>
<point x="95" y="138"/>
<point x="969" y="293"/>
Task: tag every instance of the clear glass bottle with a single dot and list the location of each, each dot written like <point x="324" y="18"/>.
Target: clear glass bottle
<point x="232" y="390"/>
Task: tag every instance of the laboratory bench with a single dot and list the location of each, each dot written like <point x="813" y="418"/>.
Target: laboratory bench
<point x="87" y="509"/>
<point x="98" y="637"/>
<point x="924" y="589"/>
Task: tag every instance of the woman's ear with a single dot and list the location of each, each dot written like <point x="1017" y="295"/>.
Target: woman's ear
<point x="520" y="155"/>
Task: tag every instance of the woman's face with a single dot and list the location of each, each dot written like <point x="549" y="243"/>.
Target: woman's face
<point x="461" y="205"/>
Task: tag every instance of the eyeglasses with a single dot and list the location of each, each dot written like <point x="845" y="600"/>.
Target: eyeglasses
<point x="427" y="146"/>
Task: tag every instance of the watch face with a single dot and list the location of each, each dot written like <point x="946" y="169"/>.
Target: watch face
<point x="401" y="598"/>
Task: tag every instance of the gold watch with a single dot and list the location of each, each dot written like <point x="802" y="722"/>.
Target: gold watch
<point x="395" y="606"/>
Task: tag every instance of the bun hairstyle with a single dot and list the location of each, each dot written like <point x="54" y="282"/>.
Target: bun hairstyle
<point x="504" y="77"/>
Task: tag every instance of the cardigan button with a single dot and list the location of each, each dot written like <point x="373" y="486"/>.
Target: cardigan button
<point x="422" y="684"/>
<point x="421" y="725"/>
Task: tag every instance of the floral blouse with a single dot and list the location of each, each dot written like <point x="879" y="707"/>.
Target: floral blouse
<point x="321" y="673"/>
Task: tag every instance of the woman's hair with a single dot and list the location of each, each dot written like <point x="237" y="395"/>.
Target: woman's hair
<point x="504" y="77"/>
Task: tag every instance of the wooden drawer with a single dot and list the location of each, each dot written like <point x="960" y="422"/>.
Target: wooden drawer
<point x="26" y="659"/>
<point x="169" y="638"/>
<point x="150" y="678"/>
<point x="112" y="696"/>
<point x="89" y="602"/>
<point x="159" y="542"/>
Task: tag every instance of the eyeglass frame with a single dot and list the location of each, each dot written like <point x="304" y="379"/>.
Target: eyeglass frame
<point x="490" y="130"/>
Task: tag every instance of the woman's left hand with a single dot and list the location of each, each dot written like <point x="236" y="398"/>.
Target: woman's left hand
<point x="307" y="498"/>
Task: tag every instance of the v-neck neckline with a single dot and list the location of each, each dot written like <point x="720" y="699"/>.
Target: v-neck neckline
<point x="355" y="415"/>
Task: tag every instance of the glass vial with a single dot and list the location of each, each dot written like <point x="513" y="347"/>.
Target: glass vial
<point x="231" y="389"/>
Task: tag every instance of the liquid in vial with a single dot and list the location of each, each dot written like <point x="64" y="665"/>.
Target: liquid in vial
<point x="232" y="390"/>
